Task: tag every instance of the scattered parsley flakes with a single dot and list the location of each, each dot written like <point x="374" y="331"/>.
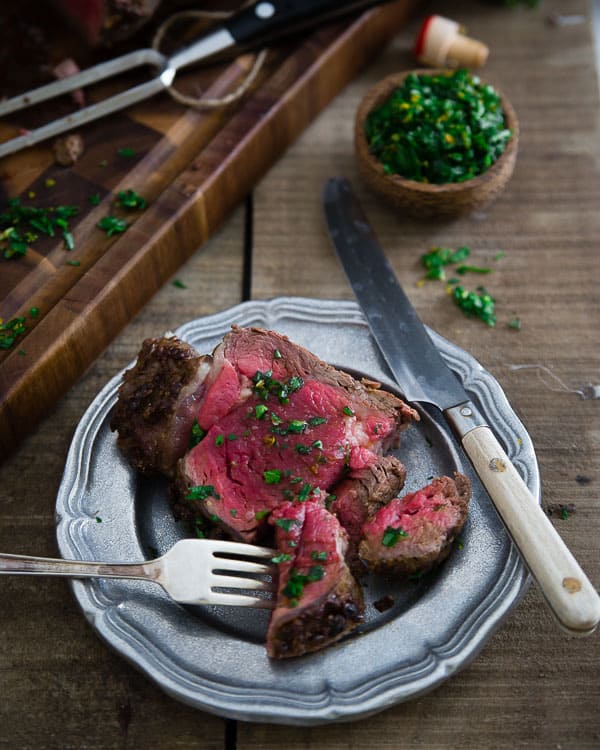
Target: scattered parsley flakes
<point x="286" y="523"/>
<point x="438" y="257"/>
<point x="18" y="222"/>
<point x="319" y="555"/>
<point x="478" y="304"/>
<point x="73" y="263"/>
<point x="127" y="152"/>
<point x="179" y="284"/>
<point x="94" y="199"/>
<point x="272" y="476"/>
<point x="131" y="200"/>
<point x="112" y="225"/>
<point x="10" y="331"/>
<point x="391" y="536"/>
<point x="197" y="434"/>
<point x="282" y="557"/>
<point x="260" y="514"/>
<point x="514" y="323"/>
<point x="201" y="492"/>
<point x="219" y="440"/>
<point x="34" y="312"/>
<point x="462" y="270"/>
<point x="348" y="411"/>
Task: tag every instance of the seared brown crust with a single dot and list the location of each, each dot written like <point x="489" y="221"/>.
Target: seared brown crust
<point x="322" y="623"/>
<point x="150" y="415"/>
<point x="428" y="542"/>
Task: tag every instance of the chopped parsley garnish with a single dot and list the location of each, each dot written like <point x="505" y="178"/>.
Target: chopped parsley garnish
<point x="112" y="225"/>
<point x="233" y="512"/>
<point x="297" y="581"/>
<point x="348" y="411"/>
<point x="94" y="199"/>
<point x="260" y="410"/>
<point x="438" y="257"/>
<point x="462" y="270"/>
<point x="219" y="440"/>
<point x="197" y="434"/>
<point x="131" y="200"/>
<point x="478" y="304"/>
<point x="303" y="449"/>
<point x="286" y="523"/>
<point x="10" y="331"/>
<point x="305" y="491"/>
<point x="179" y="284"/>
<point x="319" y="555"/>
<point x="392" y="535"/>
<point x="315" y="421"/>
<point x="127" y="152"/>
<point x="282" y="557"/>
<point x="276" y="354"/>
<point x="272" y="476"/>
<point x="20" y="226"/>
<point x="201" y="492"/>
<point x="265" y="385"/>
<point x="515" y="324"/>
<point x="329" y="500"/>
<point x="297" y="425"/>
<point x="438" y="128"/>
<point x="260" y="514"/>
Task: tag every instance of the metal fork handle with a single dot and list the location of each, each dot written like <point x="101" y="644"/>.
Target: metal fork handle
<point x="27" y="565"/>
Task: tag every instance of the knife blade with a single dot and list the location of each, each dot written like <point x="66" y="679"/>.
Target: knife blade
<point x="423" y="376"/>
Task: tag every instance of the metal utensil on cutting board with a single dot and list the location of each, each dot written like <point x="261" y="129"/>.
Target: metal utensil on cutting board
<point x="252" y="27"/>
<point x="423" y="376"/>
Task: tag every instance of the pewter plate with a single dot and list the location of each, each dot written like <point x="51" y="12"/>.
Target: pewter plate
<point x="214" y="658"/>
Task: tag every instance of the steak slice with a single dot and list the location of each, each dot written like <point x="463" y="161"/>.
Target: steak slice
<point x="289" y="424"/>
<point x="380" y="414"/>
<point x="361" y="494"/>
<point x="414" y="533"/>
<point x="158" y="403"/>
<point x="318" y="599"/>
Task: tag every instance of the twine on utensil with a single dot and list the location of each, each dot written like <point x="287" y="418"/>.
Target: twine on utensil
<point x="207" y="102"/>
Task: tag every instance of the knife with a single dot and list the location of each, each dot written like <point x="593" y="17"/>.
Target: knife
<point x="424" y="376"/>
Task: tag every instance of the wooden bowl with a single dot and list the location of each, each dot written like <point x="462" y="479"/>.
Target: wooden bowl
<point x="424" y="199"/>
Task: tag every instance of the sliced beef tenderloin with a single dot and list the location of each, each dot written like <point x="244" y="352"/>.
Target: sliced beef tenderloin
<point x="318" y="599"/>
<point x="414" y="533"/>
<point x="379" y="414"/>
<point x="158" y="403"/>
<point x="359" y="496"/>
<point x="289" y="424"/>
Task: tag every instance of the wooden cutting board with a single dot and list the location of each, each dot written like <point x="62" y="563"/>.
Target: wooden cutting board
<point x="192" y="167"/>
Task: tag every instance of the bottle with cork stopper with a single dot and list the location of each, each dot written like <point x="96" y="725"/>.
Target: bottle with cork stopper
<point x="442" y="43"/>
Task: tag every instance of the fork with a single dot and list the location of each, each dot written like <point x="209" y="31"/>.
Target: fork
<point x="193" y="571"/>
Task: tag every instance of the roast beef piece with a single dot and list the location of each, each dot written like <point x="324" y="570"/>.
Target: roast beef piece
<point x="280" y="424"/>
<point x="318" y="600"/>
<point x="106" y="21"/>
<point x="413" y="533"/>
<point x="362" y="493"/>
<point x="158" y="403"/>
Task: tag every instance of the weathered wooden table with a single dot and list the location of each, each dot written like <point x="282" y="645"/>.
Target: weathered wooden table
<point x="531" y="686"/>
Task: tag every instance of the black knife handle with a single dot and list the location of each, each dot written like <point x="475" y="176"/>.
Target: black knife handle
<point x="268" y="20"/>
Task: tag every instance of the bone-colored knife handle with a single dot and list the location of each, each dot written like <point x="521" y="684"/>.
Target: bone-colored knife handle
<point x="568" y="591"/>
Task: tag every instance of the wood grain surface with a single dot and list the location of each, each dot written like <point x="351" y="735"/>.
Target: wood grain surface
<point x="531" y="686"/>
<point x="193" y="167"/>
